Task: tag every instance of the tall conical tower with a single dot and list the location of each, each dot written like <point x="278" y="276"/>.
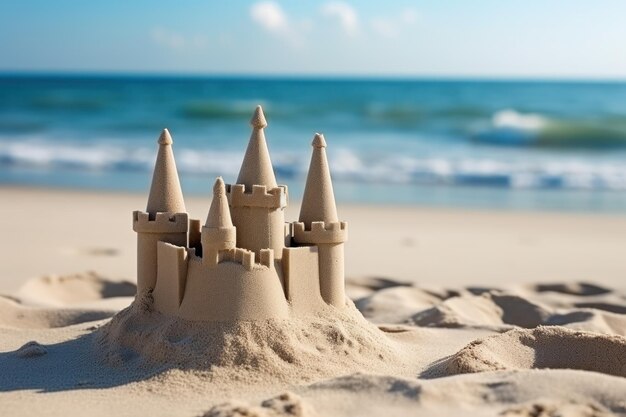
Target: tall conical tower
<point x="165" y="218"/>
<point x="218" y="232"/>
<point x="319" y="225"/>
<point x="257" y="202"/>
<point x="256" y="168"/>
<point x="318" y="202"/>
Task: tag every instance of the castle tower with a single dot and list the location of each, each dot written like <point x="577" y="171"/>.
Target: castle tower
<point x="319" y="225"/>
<point x="165" y="218"/>
<point x="218" y="232"/>
<point x="257" y="202"/>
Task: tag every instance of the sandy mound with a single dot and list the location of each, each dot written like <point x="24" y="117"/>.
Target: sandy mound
<point x="543" y="347"/>
<point x="396" y="304"/>
<point x="15" y="315"/>
<point x="488" y="309"/>
<point x="67" y="290"/>
<point x="576" y="305"/>
<point x="329" y="344"/>
<point x="501" y="311"/>
<point x="590" y="320"/>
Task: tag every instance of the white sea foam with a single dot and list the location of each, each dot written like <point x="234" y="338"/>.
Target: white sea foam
<point x="509" y="118"/>
<point x="564" y="172"/>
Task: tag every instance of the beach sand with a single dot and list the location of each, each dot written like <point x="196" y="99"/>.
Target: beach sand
<point x="468" y="313"/>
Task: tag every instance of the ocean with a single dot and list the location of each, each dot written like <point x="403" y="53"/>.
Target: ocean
<point x="473" y="144"/>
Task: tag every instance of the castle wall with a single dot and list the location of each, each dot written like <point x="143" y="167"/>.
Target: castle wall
<point x="171" y="277"/>
<point x="301" y="277"/>
<point x="230" y="292"/>
<point x="332" y="274"/>
<point x="166" y="227"/>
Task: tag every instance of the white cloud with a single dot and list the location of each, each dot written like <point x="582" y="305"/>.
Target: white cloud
<point x="273" y="19"/>
<point x="344" y="14"/>
<point x="408" y="16"/>
<point x="175" y="40"/>
<point x="270" y="16"/>
<point x="390" y="27"/>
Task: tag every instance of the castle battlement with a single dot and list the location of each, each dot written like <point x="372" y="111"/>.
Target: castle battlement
<point x="320" y="232"/>
<point x="247" y="257"/>
<point x="259" y="196"/>
<point x="245" y="262"/>
<point x="267" y="258"/>
<point x="244" y="257"/>
<point x="160" y="222"/>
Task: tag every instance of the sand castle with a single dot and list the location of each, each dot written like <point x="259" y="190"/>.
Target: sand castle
<point x="246" y="262"/>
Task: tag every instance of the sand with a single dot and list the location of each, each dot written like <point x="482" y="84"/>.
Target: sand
<point x="431" y="246"/>
<point x="538" y="329"/>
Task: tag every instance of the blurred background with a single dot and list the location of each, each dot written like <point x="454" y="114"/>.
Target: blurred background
<point x="483" y="104"/>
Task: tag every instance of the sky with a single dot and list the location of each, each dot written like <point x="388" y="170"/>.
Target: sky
<point x="439" y="38"/>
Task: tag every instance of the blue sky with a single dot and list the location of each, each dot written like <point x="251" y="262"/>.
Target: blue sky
<point x="447" y="38"/>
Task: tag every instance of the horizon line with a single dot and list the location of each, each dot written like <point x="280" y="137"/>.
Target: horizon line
<point x="307" y="76"/>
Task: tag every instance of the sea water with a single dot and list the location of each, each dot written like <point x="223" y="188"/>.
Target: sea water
<point x="478" y="144"/>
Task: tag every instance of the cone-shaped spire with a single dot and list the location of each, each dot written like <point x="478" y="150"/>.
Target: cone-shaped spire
<point x="256" y="168"/>
<point x="165" y="192"/>
<point x="219" y="213"/>
<point x="318" y="203"/>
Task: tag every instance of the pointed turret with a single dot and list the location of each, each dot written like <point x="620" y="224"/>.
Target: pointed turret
<point x="218" y="233"/>
<point x="219" y="213"/>
<point x="320" y="226"/>
<point x="318" y="203"/>
<point x="256" y="168"/>
<point x="165" y="192"/>
<point x="165" y="219"/>
<point x="257" y="203"/>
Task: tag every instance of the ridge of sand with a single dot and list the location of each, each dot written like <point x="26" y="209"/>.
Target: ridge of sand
<point x="67" y="290"/>
<point x="494" y="309"/>
<point x="543" y="347"/>
<point x="15" y="315"/>
<point x="487" y="309"/>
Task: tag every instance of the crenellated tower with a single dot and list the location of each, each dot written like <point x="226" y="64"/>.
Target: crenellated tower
<point x="165" y="218"/>
<point x="319" y="225"/>
<point x="257" y="203"/>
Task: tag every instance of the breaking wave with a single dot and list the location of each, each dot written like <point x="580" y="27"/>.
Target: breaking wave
<point x="508" y="127"/>
<point x="347" y="165"/>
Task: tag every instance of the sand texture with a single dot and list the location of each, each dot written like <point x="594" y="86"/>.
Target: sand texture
<point x="525" y="351"/>
<point x="452" y="313"/>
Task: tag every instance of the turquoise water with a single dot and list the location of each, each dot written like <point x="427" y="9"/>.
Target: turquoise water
<point x="483" y="144"/>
